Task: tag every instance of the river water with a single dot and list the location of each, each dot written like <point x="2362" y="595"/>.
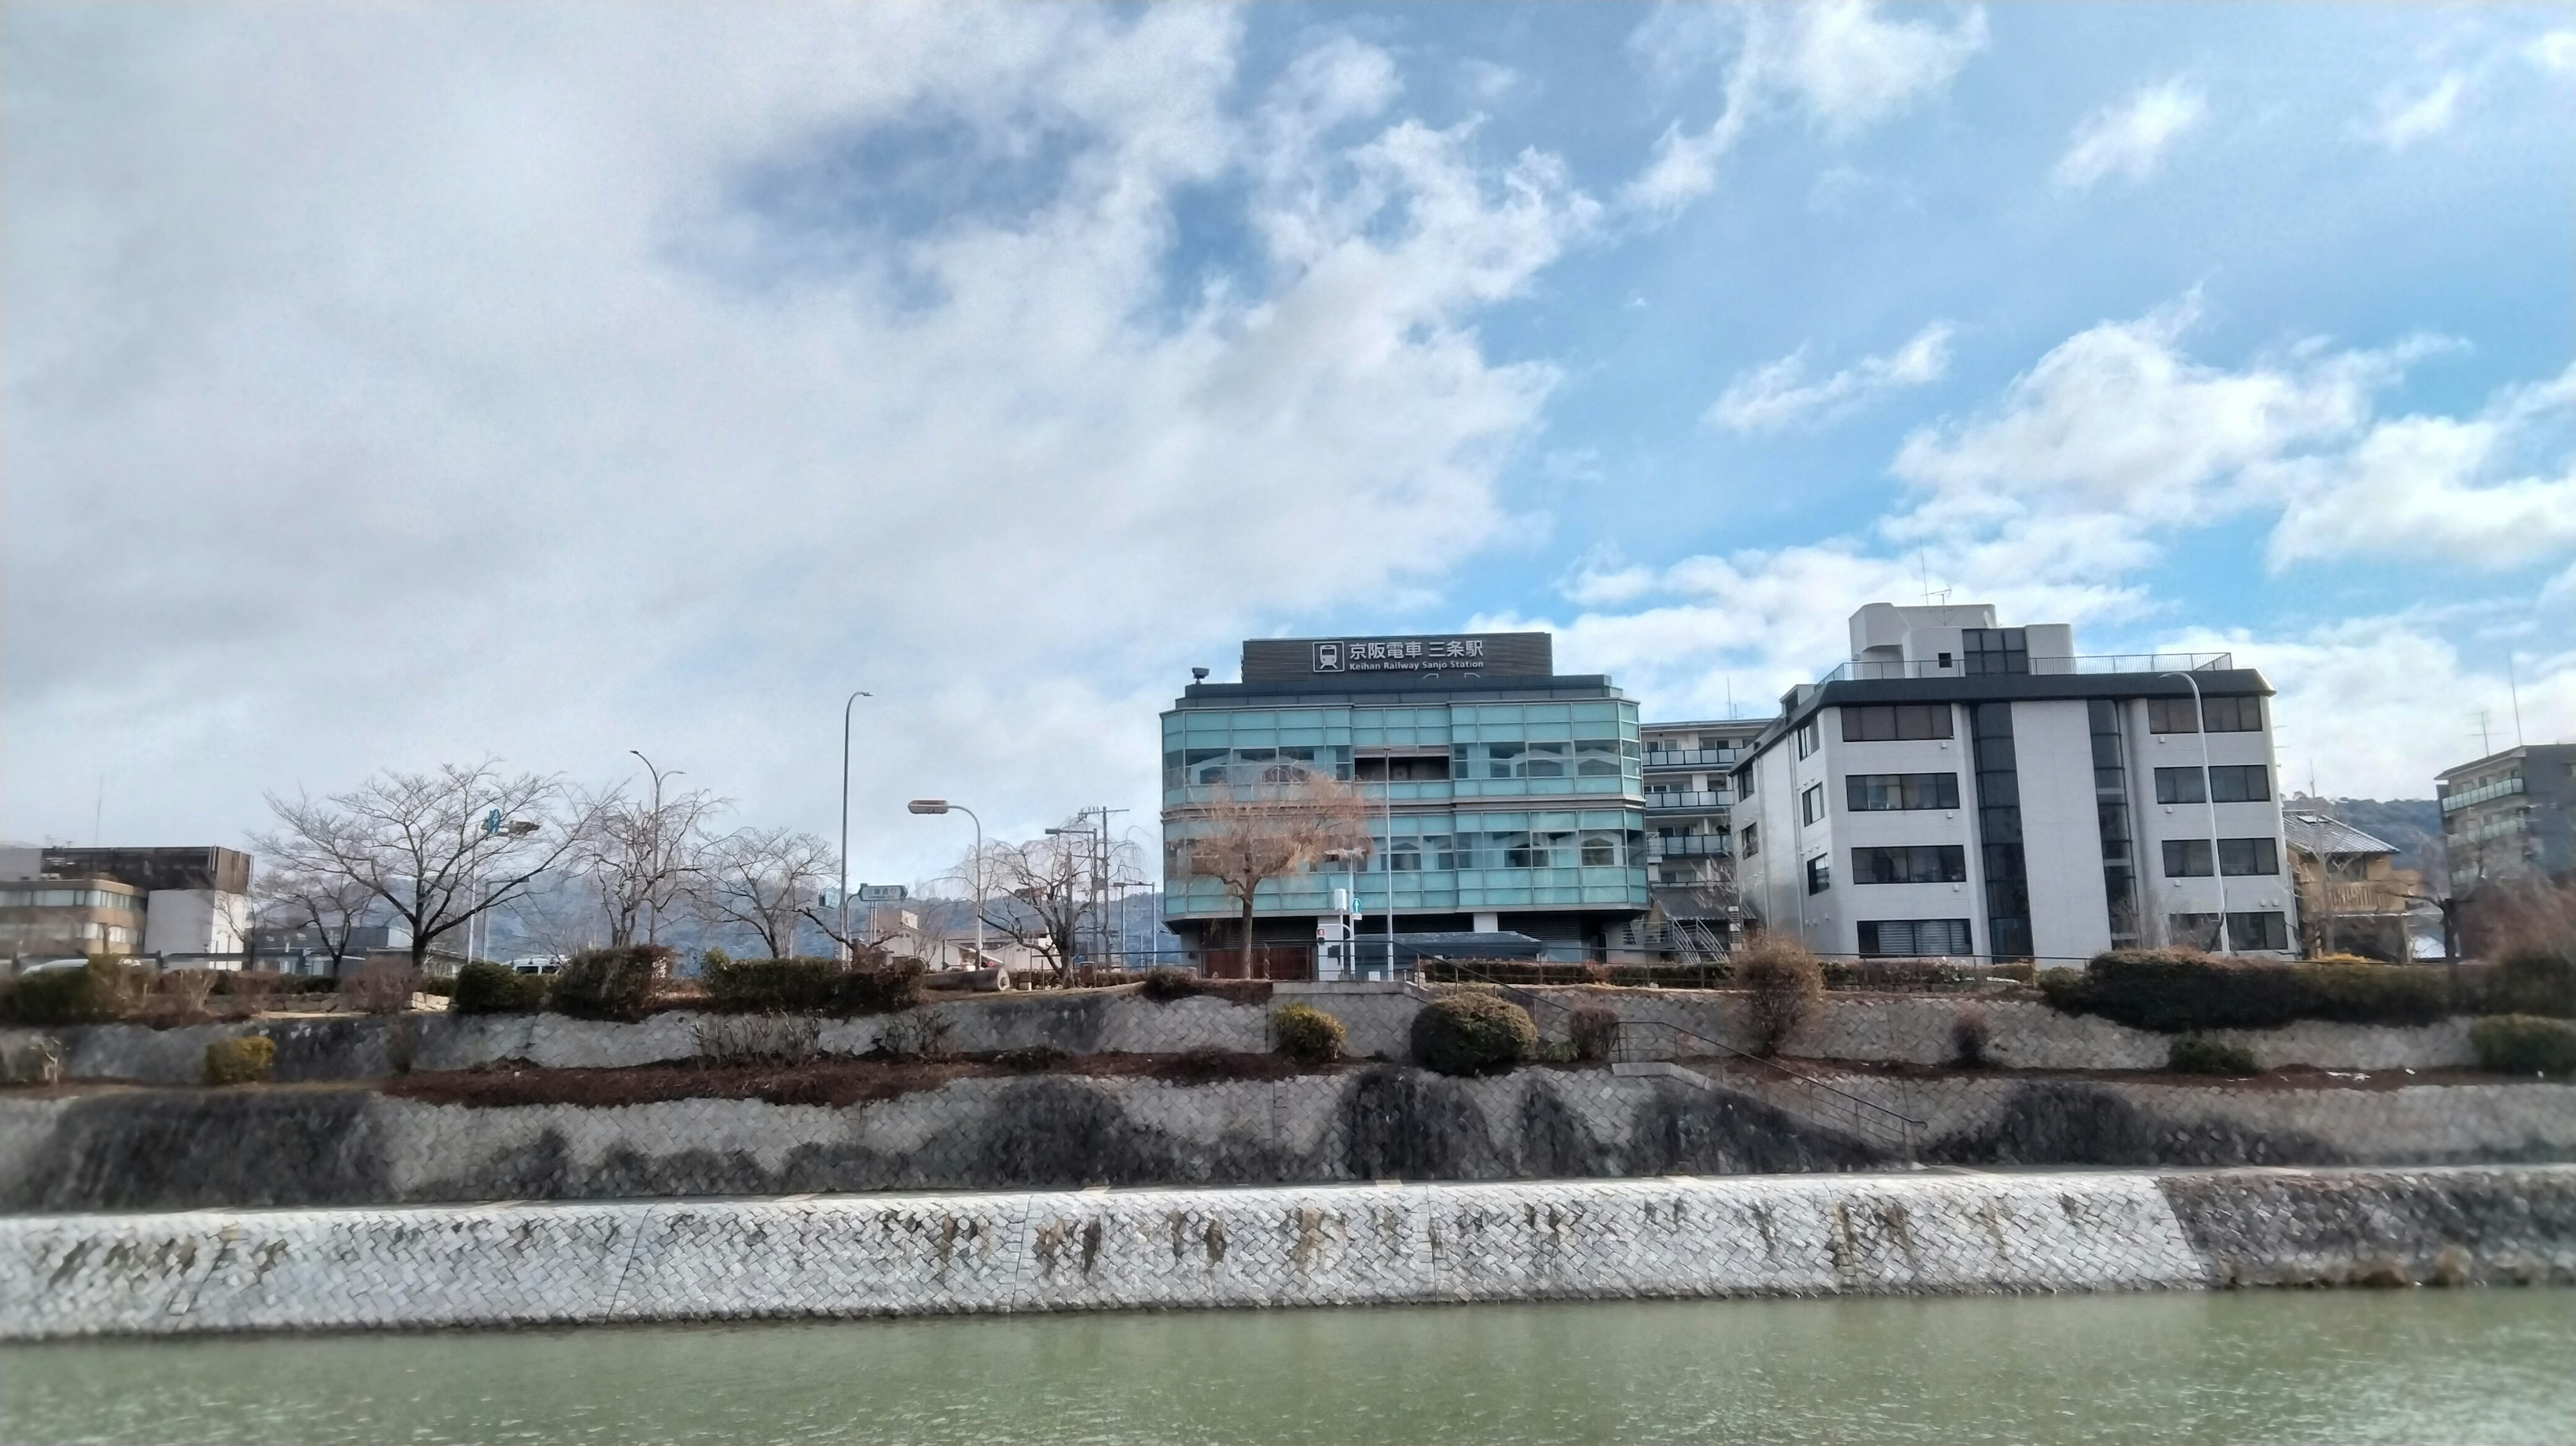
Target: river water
<point x="2466" y="1366"/>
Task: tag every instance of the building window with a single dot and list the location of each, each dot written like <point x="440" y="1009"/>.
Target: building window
<point x="1820" y="873"/>
<point x="2265" y="930"/>
<point x="1752" y="836"/>
<point x="1811" y="804"/>
<point x="1599" y="850"/>
<point x="1999" y="830"/>
<point x="1882" y="722"/>
<point x="2236" y="714"/>
<point x="2111" y="815"/>
<point x="2228" y="783"/>
<point x="1884" y="792"/>
<point x="1810" y="738"/>
<point x="1914" y="938"/>
<point x="2187" y="858"/>
<point x="1911" y="864"/>
<point x="1744" y="782"/>
<point x="1995" y="650"/>
<point x="2248" y="856"/>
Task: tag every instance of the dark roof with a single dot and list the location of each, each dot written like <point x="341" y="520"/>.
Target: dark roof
<point x="2320" y="836"/>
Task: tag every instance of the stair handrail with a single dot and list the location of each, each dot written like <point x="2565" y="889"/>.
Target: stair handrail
<point x="1866" y="1113"/>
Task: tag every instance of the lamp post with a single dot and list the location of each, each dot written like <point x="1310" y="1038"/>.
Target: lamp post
<point x="941" y="805"/>
<point x="843" y="943"/>
<point x="2209" y="796"/>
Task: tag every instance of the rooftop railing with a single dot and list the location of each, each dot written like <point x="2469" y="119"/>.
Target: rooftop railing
<point x="1991" y="665"/>
<point x="1690" y="757"/>
<point x="2502" y="787"/>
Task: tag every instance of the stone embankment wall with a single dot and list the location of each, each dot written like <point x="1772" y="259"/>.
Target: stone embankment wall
<point x="1897" y="1029"/>
<point x="197" y="1148"/>
<point x="67" y="1276"/>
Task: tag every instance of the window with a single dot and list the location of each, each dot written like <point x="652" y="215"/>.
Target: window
<point x="2179" y="785"/>
<point x="1881" y="792"/>
<point x="1810" y="738"/>
<point x="2248" y="856"/>
<point x="1820" y="873"/>
<point x="2267" y="930"/>
<point x="1995" y="650"/>
<point x="1811" y="804"/>
<point x="1752" y="839"/>
<point x="1896" y="720"/>
<point x="1914" y="938"/>
<point x="1744" y="782"/>
<point x="2187" y="858"/>
<point x="2228" y="783"/>
<point x="1599" y="849"/>
<point x="2240" y="714"/>
<point x="1914" y="864"/>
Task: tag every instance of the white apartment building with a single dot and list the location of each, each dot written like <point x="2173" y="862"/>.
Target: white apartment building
<point x="1963" y="789"/>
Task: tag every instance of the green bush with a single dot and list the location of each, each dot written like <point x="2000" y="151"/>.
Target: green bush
<point x="2175" y="991"/>
<point x="1594" y="1032"/>
<point x="2200" y="1054"/>
<point x="610" y="983"/>
<point x="885" y="988"/>
<point x="484" y="987"/>
<point x="1307" y="1034"/>
<point x="764" y="986"/>
<point x="443" y="986"/>
<point x="1472" y="1034"/>
<point x="2524" y="1044"/>
<point x="1165" y="985"/>
<point x="2537" y="981"/>
<point x="245" y="1060"/>
<point x="88" y="995"/>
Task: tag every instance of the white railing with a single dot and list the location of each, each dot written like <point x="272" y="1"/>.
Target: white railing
<point x="2501" y="788"/>
<point x="1989" y="666"/>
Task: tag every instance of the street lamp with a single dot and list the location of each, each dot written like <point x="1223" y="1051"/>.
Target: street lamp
<point x="941" y="805"/>
<point x="2217" y="866"/>
<point x="843" y="943"/>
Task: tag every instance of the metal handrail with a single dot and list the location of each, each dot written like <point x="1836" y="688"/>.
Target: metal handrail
<point x="2084" y="663"/>
<point x="1867" y="1116"/>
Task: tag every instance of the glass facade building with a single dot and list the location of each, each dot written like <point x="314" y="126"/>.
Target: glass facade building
<point x="1500" y="795"/>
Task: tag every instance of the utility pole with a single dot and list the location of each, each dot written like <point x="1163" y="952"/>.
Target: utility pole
<point x="2514" y="687"/>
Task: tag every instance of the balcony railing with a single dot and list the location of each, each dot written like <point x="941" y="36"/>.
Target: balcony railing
<point x="1697" y="802"/>
<point x="1991" y="665"/>
<point x="1690" y="758"/>
<point x="1686" y="846"/>
<point x="2501" y="788"/>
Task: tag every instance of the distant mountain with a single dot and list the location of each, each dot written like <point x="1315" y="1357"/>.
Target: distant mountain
<point x="2409" y="823"/>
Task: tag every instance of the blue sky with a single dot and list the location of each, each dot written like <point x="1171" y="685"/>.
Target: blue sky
<point x="390" y="387"/>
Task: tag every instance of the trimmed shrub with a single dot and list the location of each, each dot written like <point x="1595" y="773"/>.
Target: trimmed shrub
<point x="91" y="994"/>
<point x="1534" y="973"/>
<point x="2524" y="1044"/>
<point x="484" y="987"/>
<point x="2176" y="991"/>
<point x="245" y="1060"/>
<point x="1166" y="985"/>
<point x="887" y="988"/>
<point x="1472" y="1034"/>
<point x="614" y="984"/>
<point x="1307" y="1034"/>
<point x="2200" y="1054"/>
<point x="1786" y="983"/>
<point x="2537" y="981"/>
<point x="772" y="986"/>
<point x="379" y="986"/>
<point x="1970" y="1032"/>
<point x="1594" y="1032"/>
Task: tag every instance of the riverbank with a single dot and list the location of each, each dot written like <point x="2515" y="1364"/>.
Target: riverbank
<point x="1385" y="1243"/>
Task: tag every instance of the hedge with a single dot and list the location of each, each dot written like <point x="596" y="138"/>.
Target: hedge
<point x="2524" y="1044"/>
<point x="1530" y="973"/>
<point x="1307" y="1034"/>
<point x="2537" y="981"/>
<point x="50" y="997"/>
<point x="1472" y="1034"/>
<point x="484" y="987"/>
<point x="2175" y="991"/>
<point x="614" y="984"/>
<point x="2200" y="1054"/>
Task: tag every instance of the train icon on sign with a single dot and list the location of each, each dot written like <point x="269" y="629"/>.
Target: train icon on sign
<point x="1328" y="657"/>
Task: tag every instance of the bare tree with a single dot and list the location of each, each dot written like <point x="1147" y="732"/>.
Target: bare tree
<point x="639" y="855"/>
<point x="334" y="906"/>
<point x="763" y="880"/>
<point x="1048" y="893"/>
<point x="1247" y="834"/>
<point x="438" y="848"/>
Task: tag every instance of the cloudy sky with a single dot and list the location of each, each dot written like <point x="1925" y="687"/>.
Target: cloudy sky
<point x="394" y="385"/>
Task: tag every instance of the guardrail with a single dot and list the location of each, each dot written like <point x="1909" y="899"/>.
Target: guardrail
<point x="1958" y="667"/>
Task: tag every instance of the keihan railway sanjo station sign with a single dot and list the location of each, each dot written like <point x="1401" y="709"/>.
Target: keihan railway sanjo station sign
<point x="1518" y="655"/>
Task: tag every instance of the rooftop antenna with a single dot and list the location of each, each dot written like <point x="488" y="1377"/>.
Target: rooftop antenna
<point x="1730" y="695"/>
<point x="2486" y="744"/>
<point x="2515" y="688"/>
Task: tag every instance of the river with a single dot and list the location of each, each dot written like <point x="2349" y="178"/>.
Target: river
<point x="2465" y="1367"/>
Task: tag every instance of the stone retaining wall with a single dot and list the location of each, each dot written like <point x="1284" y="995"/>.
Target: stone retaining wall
<point x="277" y="1147"/>
<point x="1896" y="1029"/>
<point x="69" y="1276"/>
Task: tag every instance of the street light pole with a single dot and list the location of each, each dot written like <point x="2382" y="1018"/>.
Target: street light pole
<point x="941" y="805"/>
<point x="843" y="943"/>
<point x="2209" y="795"/>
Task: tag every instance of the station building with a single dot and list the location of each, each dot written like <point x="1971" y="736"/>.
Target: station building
<point x="1503" y="797"/>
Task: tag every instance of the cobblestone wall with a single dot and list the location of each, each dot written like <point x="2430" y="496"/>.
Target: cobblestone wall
<point x="65" y="1276"/>
<point x="1901" y="1029"/>
<point x="180" y="1149"/>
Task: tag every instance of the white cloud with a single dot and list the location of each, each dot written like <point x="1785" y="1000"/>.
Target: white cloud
<point x="1776" y="394"/>
<point x="555" y="398"/>
<point x="2130" y="139"/>
<point x="2555" y="51"/>
<point x="1844" y="65"/>
<point x="2403" y="118"/>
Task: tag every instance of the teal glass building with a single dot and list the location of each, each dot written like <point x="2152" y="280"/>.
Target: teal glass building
<point x="1501" y="796"/>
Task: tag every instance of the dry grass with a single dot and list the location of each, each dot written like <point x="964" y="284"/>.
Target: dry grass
<point x="833" y="1082"/>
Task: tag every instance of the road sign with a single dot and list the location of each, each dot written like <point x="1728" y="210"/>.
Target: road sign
<point x="881" y="893"/>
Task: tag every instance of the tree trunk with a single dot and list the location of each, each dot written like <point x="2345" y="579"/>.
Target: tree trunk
<point x="1247" y="930"/>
